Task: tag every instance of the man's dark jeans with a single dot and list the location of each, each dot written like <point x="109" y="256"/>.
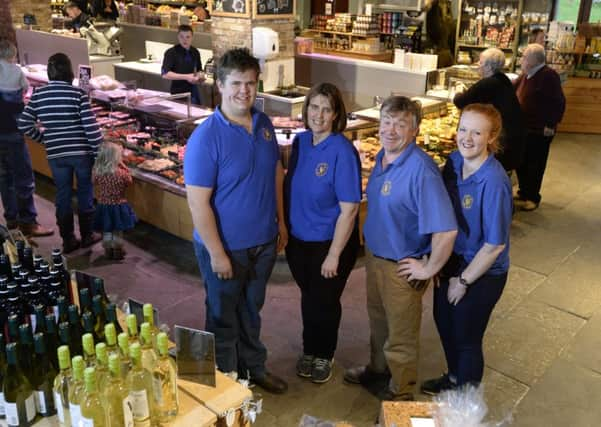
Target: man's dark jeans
<point x="63" y="170"/>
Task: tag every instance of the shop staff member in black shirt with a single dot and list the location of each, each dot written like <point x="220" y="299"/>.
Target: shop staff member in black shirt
<point x="182" y="65"/>
<point x="78" y="18"/>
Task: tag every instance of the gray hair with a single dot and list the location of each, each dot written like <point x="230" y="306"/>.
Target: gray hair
<point x="107" y="161"/>
<point x="494" y="58"/>
<point x="7" y="50"/>
<point x="536" y="53"/>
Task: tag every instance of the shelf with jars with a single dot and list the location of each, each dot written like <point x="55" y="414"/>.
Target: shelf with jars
<point x="487" y="24"/>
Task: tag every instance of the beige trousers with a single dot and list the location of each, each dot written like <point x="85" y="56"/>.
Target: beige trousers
<point x="394" y="309"/>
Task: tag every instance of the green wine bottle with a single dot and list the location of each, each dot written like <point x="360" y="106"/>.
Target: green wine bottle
<point x="85" y="301"/>
<point x="64" y="334"/>
<point x="149" y="356"/>
<point x="25" y="351"/>
<point x="123" y="340"/>
<point x="98" y="309"/>
<point x="51" y="339"/>
<point x="2" y="373"/>
<point x="111" y="317"/>
<point x="139" y="383"/>
<point x="116" y="396"/>
<point x="89" y="353"/>
<point x="19" y="403"/>
<point x="43" y="377"/>
<point x="13" y="328"/>
<point x="76" y="389"/>
<point x="63" y="309"/>
<point x="61" y="387"/>
<point x="87" y="321"/>
<point x="92" y="411"/>
<point x="102" y="368"/>
<point x="75" y="330"/>
<point x="164" y="378"/>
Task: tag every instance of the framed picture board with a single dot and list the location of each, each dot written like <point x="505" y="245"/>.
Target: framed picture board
<point x="273" y="9"/>
<point x="232" y="8"/>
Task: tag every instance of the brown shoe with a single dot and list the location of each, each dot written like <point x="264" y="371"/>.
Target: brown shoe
<point x="35" y="230"/>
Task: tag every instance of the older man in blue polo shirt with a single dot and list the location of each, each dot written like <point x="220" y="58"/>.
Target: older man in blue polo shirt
<point x="234" y="179"/>
<point x="409" y="234"/>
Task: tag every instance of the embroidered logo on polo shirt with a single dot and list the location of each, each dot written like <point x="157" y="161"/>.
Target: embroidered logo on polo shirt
<point x="386" y="187"/>
<point x="467" y="201"/>
<point x="321" y="169"/>
<point x="267" y="134"/>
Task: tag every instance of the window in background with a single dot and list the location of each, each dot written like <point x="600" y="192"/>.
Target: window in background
<point x="595" y="12"/>
<point x="567" y="10"/>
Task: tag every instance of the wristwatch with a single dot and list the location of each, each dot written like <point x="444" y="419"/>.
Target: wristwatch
<point x="463" y="282"/>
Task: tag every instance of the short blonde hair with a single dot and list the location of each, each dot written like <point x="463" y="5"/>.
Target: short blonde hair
<point x="108" y="159"/>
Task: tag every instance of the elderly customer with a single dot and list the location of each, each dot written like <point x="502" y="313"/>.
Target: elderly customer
<point x="496" y="89"/>
<point x="474" y="279"/>
<point x="539" y="92"/>
<point x="16" y="175"/>
<point x="409" y="234"/>
<point x="322" y="192"/>
<point x="71" y="137"/>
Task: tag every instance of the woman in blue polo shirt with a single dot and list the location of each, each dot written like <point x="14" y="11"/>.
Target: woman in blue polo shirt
<point x="473" y="279"/>
<point x="322" y="194"/>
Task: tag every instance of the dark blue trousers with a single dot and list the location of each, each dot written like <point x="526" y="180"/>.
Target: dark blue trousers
<point x="63" y="170"/>
<point x="233" y="307"/>
<point x="461" y="327"/>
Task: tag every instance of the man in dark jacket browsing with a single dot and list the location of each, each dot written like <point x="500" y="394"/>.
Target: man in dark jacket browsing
<point x="539" y="91"/>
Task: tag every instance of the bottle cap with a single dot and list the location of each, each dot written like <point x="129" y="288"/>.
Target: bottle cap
<point x="89" y="375"/>
<point x="132" y="325"/>
<point x="39" y="344"/>
<point x="162" y="343"/>
<point x="123" y="340"/>
<point x="114" y="364"/>
<point x="110" y="334"/>
<point x="135" y="351"/>
<point x="87" y="341"/>
<point x="148" y="313"/>
<point x="64" y="357"/>
<point x="78" y="367"/>
<point x="145" y="333"/>
<point x="101" y="354"/>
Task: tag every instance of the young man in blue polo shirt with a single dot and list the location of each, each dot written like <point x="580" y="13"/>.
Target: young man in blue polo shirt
<point x="234" y="182"/>
<point x="409" y="234"/>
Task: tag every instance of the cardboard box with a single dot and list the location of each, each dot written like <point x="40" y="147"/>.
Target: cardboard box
<point x="398" y="414"/>
<point x="227" y="398"/>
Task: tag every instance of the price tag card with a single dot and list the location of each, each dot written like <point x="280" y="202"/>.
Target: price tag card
<point x="195" y="355"/>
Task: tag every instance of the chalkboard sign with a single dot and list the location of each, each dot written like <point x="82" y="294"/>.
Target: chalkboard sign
<point x="235" y="8"/>
<point x="273" y="9"/>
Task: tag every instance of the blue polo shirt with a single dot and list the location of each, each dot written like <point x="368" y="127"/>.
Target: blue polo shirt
<point x="483" y="205"/>
<point x="406" y="203"/>
<point x="240" y="168"/>
<point x="318" y="179"/>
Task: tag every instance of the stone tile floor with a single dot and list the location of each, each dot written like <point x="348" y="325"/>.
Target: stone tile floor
<point x="543" y="345"/>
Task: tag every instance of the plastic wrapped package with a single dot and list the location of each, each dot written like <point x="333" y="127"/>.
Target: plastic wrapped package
<point x="464" y="407"/>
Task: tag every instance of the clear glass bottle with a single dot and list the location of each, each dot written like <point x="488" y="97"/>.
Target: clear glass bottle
<point x="148" y="311"/>
<point x="92" y="411"/>
<point x="164" y="378"/>
<point x="102" y="369"/>
<point x="19" y="402"/>
<point x="43" y="377"/>
<point x="110" y="337"/>
<point x="149" y="356"/>
<point x="89" y="353"/>
<point x="111" y="317"/>
<point x="61" y="387"/>
<point x="116" y="396"/>
<point x="139" y="383"/>
<point x="123" y="341"/>
<point x="76" y="389"/>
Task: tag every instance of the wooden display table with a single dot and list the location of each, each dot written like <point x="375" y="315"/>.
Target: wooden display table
<point x="583" y="106"/>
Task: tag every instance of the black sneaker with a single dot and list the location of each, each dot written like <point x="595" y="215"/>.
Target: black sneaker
<point x="304" y="366"/>
<point x="322" y="370"/>
<point x="365" y="376"/>
<point x="434" y="386"/>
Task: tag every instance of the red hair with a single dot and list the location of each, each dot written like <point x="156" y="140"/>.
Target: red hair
<point x="494" y="118"/>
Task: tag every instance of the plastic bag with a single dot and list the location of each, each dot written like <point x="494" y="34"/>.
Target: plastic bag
<point x="309" y="421"/>
<point x="464" y="407"/>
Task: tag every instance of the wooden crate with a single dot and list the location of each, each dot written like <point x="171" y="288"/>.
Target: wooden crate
<point x="191" y="413"/>
<point x="398" y="414"/>
<point x="227" y="396"/>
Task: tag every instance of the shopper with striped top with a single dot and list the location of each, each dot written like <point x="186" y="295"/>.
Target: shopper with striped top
<point x="59" y="115"/>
